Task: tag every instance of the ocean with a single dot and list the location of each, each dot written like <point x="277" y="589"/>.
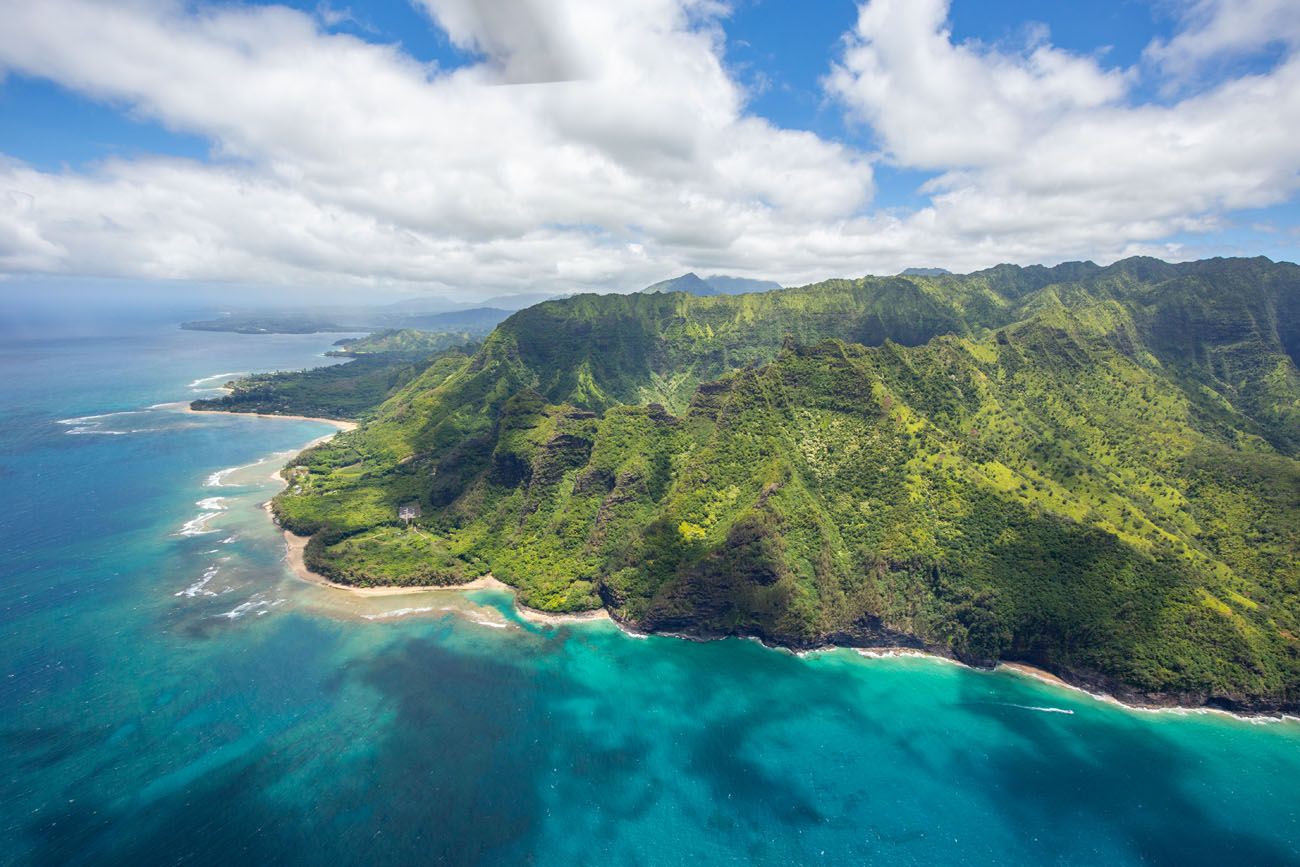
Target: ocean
<point x="171" y="693"/>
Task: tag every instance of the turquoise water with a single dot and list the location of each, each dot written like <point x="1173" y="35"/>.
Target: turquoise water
<point x="182" y="698"/>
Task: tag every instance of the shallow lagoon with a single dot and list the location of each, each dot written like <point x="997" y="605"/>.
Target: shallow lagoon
<point x="155" y="714"/>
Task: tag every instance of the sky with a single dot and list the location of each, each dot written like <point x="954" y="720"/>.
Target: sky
<point x="470" y="148"/>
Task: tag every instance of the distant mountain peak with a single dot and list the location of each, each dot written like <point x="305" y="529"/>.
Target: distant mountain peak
<point x="688" y="282"/>
<point x="923" y="272"/>
<point x="717" y="284"/>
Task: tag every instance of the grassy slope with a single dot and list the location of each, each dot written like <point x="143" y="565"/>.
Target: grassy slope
<point x="1089" y="469"/>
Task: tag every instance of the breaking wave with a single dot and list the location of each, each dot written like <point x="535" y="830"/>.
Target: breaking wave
<point x="198" y="526"/>
<point x="258" y="605"/>
<point x="200" y="587"/>
<point x="403" y="612"/>
<point x="99" y="425"/>
<point x="199" y="386"/>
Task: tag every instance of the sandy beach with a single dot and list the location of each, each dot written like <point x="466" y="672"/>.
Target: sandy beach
<point x="534" y="616"/>
<point x="296" y="546"/>
<point x="1038" y="674"/>
<point x="338" y="423"/>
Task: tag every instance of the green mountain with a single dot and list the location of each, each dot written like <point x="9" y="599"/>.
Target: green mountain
<point x="1093" y="470"/>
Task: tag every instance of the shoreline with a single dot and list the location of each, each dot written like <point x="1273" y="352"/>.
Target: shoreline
<point x="296" y="545"/>
<point x="1024" y="669"/>
<point x="342" y="424"/>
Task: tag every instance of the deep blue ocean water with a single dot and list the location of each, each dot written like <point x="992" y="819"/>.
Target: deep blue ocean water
<point x="170" y="693"/>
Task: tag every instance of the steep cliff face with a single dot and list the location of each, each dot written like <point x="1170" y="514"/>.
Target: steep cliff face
<point x="1091" y="469"/>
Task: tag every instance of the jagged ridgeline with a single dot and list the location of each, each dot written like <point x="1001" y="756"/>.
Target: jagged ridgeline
<point x="1090" y="469"/>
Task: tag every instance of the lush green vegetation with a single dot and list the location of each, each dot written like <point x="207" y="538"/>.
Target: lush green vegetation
<point x="1090" y="469"/>
<point x="344" y="391"/>
<point x="401" y="341"/>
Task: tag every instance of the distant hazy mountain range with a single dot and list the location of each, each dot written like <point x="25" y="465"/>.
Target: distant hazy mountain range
<point x="478" y="321"/>
<point x="437" y="314"/>
<point x="718" y="284"/>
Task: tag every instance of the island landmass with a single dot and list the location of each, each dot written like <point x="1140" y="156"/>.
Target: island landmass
<point x="1091" y="471"/>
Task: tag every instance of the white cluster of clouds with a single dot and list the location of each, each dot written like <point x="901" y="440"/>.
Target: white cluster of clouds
<point x="1040" y="152"/>
<point x="1215" y="30"/>
<point x="606" y="145"/>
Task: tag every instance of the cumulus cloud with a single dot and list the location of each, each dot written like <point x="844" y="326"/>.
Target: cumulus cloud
<point x="1044" y="150"/>
<point x="937" y="105"/>
<point x="1217" y="29"/>
<point x="620" y="151"/>
<point x="528" y="42"/>
<point x="364" y="165"/>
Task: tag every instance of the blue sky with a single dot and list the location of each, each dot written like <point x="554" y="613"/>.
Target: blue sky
<point x="791" y="50"/>
<point x="768" y="144"/>
<point x="778" y="49"/>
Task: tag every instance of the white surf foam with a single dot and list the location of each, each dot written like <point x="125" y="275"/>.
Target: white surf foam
<point x="402" y="612"/>
<point x="198" y="526"/>
<point x="98" y="425"/>
<point x="211" y="504"/>
<point x="198" y="383"/>
<point x="83" y="419"/>
<point x="199" y="588"/>
<point x="1042" y="709"/>
<point x="495" y="624"/>
<point x="256" y="604"/>
<point x="216" y="479"/>
<point x="899" y="653"/>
